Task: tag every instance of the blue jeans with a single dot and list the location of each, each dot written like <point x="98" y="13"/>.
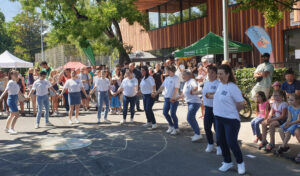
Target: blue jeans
<point x="126" y="101"/>
<point x="227" y="135"/>
<point x="66" y="97"/>
<point x="209" y="120"/>
<point x="137" y="102"/>
<point x="148" y="104"/>
<point x="168" y="106"/>
<point x="102" y="96"/>
<point x="255" y="125"/>
<point x="191" y="116"/>
<point x="42" y="101"/>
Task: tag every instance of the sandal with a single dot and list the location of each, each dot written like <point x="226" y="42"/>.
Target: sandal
<point x="262" y="145"/>
<point x="297" y="159"/>
<point x="269" y="147"/>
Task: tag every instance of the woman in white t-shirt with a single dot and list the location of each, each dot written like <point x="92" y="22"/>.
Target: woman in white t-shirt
<point x="228" y="100"/>
<point x="147" y="87"/>
<point x="74" y="85"/>
<point x="170" y="89"/>
<point x="129" y="87"/>
<point x="193" y="102"/>
<point x="41" y="87"/>
<point x="208" y="91"/>
<point x="102" y="85"/>
<point x="12" y="89"/>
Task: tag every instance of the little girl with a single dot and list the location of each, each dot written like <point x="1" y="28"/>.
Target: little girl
<point x="262" y="112"/>
<point x="277" y="117"/>
<point x="115" y="102"/>
<point x="290" y="126"/>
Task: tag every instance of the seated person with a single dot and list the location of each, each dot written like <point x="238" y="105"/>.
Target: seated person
<point x="291" y="85"/>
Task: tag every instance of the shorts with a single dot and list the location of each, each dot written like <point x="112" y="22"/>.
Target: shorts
<point x="290" y="129"/>
<point x="12" y="102"/>
<point x="74" y="98"/>
<point x="82" y="94"/>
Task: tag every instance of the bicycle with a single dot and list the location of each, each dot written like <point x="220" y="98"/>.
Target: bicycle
<point x="246" y="112"/>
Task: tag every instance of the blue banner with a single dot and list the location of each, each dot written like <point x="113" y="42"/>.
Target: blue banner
<point x="260" y="39"/>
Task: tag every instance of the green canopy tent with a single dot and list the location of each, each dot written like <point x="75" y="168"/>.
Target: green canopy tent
<point x="212" y="44"/>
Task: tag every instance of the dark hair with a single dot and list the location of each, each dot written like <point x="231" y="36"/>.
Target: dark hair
<point x="262" y="95"/>
<point x="127" y="63"/>
<point x="212" y="68"/>
<point x="266" y="55"/>
<point x="43" y="73"/>
<point x="227" y="69"/>
<point x="281" y="93"/>
<point x="171" y="68"/>
<point x="147" y="71"/>
<point x="289" y="72"/>
<point x="43" y="63"/>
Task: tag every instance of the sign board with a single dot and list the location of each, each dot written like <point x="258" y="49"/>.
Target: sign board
<point x="297" y="54"/>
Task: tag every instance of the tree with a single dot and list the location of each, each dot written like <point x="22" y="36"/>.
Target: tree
<point x="5" y="40"/>
<point x="272" y="10"/>
<point x="25" y="30"/>
<point x="86" y="20"/>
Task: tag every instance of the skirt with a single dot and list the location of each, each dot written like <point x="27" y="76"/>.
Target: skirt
<point x="74" y="98"/>
<point x="115" y="102"/>
<point x="12" y="102"/>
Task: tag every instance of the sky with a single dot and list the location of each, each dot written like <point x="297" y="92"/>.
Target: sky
<point x="10" y="9"/>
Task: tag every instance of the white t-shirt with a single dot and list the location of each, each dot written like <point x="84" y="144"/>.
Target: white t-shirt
<point x="102" y="84"/>
<point x="129" y="87"/>
<point x="225" y="100"/>
<point x="179" y="74"/>
<point x="73" y="85"/>
<point x="147" y="85"/>
<point x="12" y="87"/>
<point x="279" y="108"/>
<point x="170" y="84"/>
<point x="209" y="87"/>
<point x="41" y="87"/>
<point x="188" y="86"/>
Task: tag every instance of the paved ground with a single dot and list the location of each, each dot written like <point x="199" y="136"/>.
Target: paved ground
<point x="119" y="150"/>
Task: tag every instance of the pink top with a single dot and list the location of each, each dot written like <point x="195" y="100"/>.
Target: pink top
<point x="262" y="109"/>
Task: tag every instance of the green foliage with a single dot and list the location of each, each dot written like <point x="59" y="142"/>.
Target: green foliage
<point x="272" y="10"/>
<point x="5" y="39"/>
<point x="246" y="81"/>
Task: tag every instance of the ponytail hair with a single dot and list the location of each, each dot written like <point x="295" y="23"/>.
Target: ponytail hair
<point x="227" y="69"/>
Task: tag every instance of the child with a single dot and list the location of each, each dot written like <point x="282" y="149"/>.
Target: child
<point x="290" y="126"/>
<point x="262" y="111"/>
<point x="276" y="86"/>
<point x="277" y="117"/>
<point x="115" y="102"/>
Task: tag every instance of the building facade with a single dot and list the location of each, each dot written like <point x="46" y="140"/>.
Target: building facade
<point x="175" y="24"/>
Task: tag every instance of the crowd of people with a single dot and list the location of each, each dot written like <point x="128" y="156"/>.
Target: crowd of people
<point x="202" y="86"/>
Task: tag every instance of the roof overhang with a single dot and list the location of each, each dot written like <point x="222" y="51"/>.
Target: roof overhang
<point x="143" y="5"/>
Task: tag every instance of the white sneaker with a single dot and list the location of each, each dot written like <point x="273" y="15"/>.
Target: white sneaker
<point x="98" y="121"/>
<point x="219" y="151"/>
<point x="77" y="121"/>
<point x="209" y="148"/>
<point x="147" y="125"/>
<point x="106" y="121"/>
<point x="225" y="166"/>
<point x="123" y="121"/>
<point x="54" y="114"/>
<point x="1" y="113"/>
<point x="70" y="122"/>
<point x="241" y="168"/>
<point x="174" y="131"/>
<point x="36" y="126"/>
<point x="131" y="121"/>
<point x="170" y="129"/>
<point x="6" y="130"/>
<point x="154" y="126"/>
<point x="12" y="131"/>
<point x="196" y="137"/>
<point x="49" y="124"/>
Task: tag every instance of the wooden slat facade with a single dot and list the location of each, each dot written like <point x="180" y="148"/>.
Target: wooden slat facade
<point x="184" y="34"/>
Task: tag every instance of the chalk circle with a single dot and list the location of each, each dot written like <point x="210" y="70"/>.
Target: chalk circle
<point x="59" y="143"/>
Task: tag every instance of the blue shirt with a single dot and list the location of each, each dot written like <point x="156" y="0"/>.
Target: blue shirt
<point x="290" y="88"/>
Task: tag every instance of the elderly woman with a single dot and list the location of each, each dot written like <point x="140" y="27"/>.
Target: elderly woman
<point x="193" y="102"/>
<point x="74" y="85"/>
<point x="227" y="101"/>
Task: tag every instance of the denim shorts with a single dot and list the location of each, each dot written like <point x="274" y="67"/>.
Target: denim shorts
<point x="290" y="129"/>
<point x="74" y="98"/>
<point x="12" y="102"/>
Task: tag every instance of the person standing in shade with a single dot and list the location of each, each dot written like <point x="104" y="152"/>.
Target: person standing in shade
<point x="46" y="68"/>
<point x="129" y="87"/>
<point x="73" y="85"/>
<point x="208" y="91"/>
<point x="103" y="87"/>
<point x="193" y="102"/>
<point x="228" y="100"/>
<point x="147" y="88"/>
<point x="138" y="75"/>
<point x="63" y="77"/>
<point x="84" y="77"/>
<point x="158" y="77"/>
<point x="12" y="89"/>
<point x="170" y="89"/>
<point x="41" y="87"/>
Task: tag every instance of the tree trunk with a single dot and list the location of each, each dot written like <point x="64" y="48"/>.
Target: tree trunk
<point x="123" y="56"/>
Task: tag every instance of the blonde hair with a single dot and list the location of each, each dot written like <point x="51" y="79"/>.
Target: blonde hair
<point x="52" y="72"/>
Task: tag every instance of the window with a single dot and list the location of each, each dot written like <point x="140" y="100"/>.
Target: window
<point x="186" y="10"/>
<point x="174" y="11"/>
<point x="153" y="18"/>
<point x="197" y="9"/>
<point x="163" y="15"/>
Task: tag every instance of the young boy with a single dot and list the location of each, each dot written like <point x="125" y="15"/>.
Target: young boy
<point x="291" y="85"/>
